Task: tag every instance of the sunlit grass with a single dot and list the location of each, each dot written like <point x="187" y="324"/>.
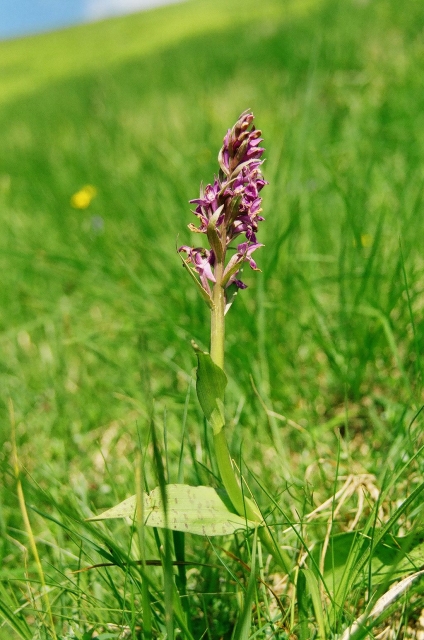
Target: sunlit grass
<point x="31" y="63"/>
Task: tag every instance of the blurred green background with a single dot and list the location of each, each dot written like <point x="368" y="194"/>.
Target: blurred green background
<point x="96" y="312"/>
<point x="137" y="107"/>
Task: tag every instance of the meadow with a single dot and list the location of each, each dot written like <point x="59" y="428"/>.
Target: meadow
<point x="323" y="349"/>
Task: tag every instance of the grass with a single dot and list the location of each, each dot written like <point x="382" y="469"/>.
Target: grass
<point x="324" y="349"/>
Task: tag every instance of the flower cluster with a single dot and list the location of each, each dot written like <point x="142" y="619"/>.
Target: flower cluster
<point x="230" y="206"/>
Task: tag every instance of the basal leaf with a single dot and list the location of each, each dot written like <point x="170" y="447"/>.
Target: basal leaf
<point x="392" y="557"/>
<point x="198" y="510"/>
<point x="210" y="387"/>
<point x="125" y="509"/>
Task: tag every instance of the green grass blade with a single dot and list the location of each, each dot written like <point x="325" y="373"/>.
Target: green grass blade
<point x="242" y="631"/>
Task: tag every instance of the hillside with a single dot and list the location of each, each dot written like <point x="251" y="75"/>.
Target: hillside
<point x="27" y="64"/>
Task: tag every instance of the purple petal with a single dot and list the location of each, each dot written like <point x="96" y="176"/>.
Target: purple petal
<point x="250" y="235"/>
<point x="253" y="142"/>
<point x="207" y="271"/>
<point x="242" y="247"/>
<point x="253" y="247"/>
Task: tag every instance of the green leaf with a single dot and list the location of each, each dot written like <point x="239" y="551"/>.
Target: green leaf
<point x="213" y="237"/>
<point x="392" y="556"/>
<point x="230" y="295"/>
<point x="393" y="549"/>
<point x="13" y="615"/>
<point x="234" y="210"/>
<point x="244" y="624"/>
<point x="236" y="267"/>
<point x="199" y="510"/>
<point x="210" y="387"/>
<point x="302" y="606"/>
<point x="313" y="588"/>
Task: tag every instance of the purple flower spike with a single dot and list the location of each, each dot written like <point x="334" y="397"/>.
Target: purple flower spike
<point x="230" y="206"/>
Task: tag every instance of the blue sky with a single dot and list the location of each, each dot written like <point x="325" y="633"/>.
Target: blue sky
<point x="21" y="17"/>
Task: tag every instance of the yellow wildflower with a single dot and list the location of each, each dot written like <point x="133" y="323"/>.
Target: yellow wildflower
<point x="82" y="198"/>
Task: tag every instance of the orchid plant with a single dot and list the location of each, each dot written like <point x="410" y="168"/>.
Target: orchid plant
<point x="228" y="210"/>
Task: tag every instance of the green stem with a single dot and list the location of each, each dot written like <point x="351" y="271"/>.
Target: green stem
<point x="242" y="504"/>
<point x="218" y="319"/>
